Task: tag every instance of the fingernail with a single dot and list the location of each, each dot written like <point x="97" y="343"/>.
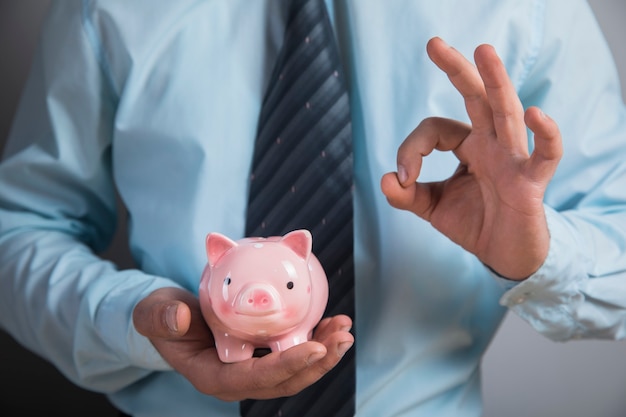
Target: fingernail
<point x="343" y="348"/>
<point x="314" y="357"/>
<point x="171" y="319"/>
<point x="346" y="328"/>
<point x="402" y="174"/>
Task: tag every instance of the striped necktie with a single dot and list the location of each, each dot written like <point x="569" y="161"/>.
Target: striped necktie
<point x="302" y="178"/>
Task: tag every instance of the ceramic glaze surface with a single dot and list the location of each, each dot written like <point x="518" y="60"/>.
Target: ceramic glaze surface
<point x="261" y="292"/>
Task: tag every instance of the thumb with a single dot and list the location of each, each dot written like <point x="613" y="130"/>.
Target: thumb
<point x="416" y="197"/>
<point x="162" y="315"/>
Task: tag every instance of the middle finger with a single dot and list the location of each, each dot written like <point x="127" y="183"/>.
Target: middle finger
<point x="508" y="113"/>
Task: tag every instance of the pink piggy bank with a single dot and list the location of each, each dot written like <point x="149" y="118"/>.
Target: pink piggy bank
<point x="261" y="292"/>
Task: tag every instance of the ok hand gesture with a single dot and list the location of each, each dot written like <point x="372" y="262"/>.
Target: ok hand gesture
<point x="493" y="204"/>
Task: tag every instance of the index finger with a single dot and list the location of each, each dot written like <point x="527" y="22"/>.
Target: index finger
<point x="432" y="133"/>
<point x="466" y="79"/>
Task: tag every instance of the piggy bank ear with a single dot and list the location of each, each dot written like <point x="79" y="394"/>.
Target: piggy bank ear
<point x="216" y="246"/>
<point x="299" y="241"/>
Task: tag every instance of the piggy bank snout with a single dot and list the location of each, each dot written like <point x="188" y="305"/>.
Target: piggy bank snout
<point x="258" y="299"/>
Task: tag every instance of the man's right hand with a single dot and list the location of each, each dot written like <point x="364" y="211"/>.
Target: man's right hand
<point x="172" y="320"/>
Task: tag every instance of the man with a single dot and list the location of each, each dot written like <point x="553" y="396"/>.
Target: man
<point x="161" y="102"/>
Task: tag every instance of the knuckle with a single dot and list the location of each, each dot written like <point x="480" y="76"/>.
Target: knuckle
<point x="325" y="367"/>
<point x="287" y="390"/>
<point x="259" y="381"/>
<point x="221" y="393"/>
<point x="227" y="397"/>
<point x="430" y="122"/>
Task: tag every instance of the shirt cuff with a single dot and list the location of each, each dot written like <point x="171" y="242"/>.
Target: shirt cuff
<point x="548" y="299"/>
<point x="114" y="318"/>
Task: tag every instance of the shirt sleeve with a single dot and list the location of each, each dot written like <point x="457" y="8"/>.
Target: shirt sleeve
<point x="580" y="291"/>
<point x="58" y="209"/>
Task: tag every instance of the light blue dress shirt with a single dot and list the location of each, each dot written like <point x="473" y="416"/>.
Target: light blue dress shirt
<point x="158" y="100"/>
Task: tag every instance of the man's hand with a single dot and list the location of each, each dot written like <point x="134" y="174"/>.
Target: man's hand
<point x="493" y="204"/>
<point x="172" y="320"/>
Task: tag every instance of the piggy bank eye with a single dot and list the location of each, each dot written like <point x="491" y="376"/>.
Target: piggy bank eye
<point x="290" y="285"/>
<point x="225" y="288"/>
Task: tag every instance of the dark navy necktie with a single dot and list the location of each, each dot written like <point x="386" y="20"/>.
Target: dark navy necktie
<point x="301" y="178"/>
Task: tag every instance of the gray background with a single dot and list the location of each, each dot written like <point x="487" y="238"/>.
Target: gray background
<point x="524" y="374"/>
